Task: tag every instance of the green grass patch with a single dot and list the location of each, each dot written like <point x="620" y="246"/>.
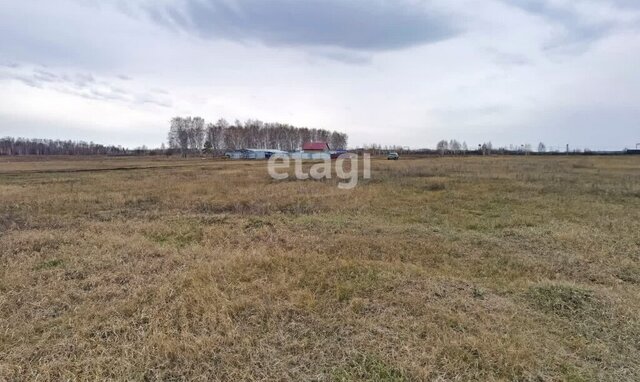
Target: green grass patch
<point x="179" y="234"/>
<point x="49" y="264"/>
<point x="368" y="368"/>
<point x="566" y="301"/>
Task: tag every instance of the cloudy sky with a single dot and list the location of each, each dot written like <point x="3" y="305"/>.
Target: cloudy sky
<point x="404" y="72"/>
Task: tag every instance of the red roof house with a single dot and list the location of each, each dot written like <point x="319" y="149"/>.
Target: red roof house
<point x="316" y="147"/>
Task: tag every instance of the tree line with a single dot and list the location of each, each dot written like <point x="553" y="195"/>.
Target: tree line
<point x="455" y="147"/>
<point x="378" y="149"/>
<point x="24" y="146"/>
<point x="194" y="135"/>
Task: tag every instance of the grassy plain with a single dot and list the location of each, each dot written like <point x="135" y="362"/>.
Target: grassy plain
<point x="483" y="268"/>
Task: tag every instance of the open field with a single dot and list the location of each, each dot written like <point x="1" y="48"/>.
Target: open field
<point x="485" y="268"/>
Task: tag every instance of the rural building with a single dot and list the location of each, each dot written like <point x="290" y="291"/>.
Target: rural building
<point x="235" y="154"/>
<point x="310" y="150"/>
<point x="316" y="147"/>
<point x="320" y="155"/>
<point x="252" y="153"/>
<point x="313" y="150"/>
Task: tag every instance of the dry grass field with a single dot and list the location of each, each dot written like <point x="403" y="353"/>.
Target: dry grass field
<point x="442" y="269"/>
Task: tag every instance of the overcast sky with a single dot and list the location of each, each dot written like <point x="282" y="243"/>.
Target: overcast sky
<point x="404" y="72"/>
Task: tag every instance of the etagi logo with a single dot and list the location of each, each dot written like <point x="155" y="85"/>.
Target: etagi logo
<point x="323" y="169"/>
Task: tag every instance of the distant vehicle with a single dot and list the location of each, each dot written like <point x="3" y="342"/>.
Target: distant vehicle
<point x="393" y="156"/>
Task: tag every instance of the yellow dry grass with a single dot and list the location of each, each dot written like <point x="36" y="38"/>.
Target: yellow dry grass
<point x="502" y="268"/>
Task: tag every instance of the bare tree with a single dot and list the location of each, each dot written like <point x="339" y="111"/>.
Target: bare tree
<point x="338" y="141"/>
<point x="197" y="132"/>
<point x="455" y="146"/>
<point x="179" y="134"/>
<point x="442" y="146"/>
<point x="215" y="135"/>
<point x="486" y="148"/>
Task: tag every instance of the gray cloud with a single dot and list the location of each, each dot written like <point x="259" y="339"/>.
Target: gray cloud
<point x="579" y="33"/>
<point x="354" y="25"/>
<point x="84" y="85"/>
<point x="630" y="4"/>
<point x="344" y="56"/>
<point x="507" y="59"/>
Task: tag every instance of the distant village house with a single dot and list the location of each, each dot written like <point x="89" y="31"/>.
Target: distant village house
<point x="316" y="147"/>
